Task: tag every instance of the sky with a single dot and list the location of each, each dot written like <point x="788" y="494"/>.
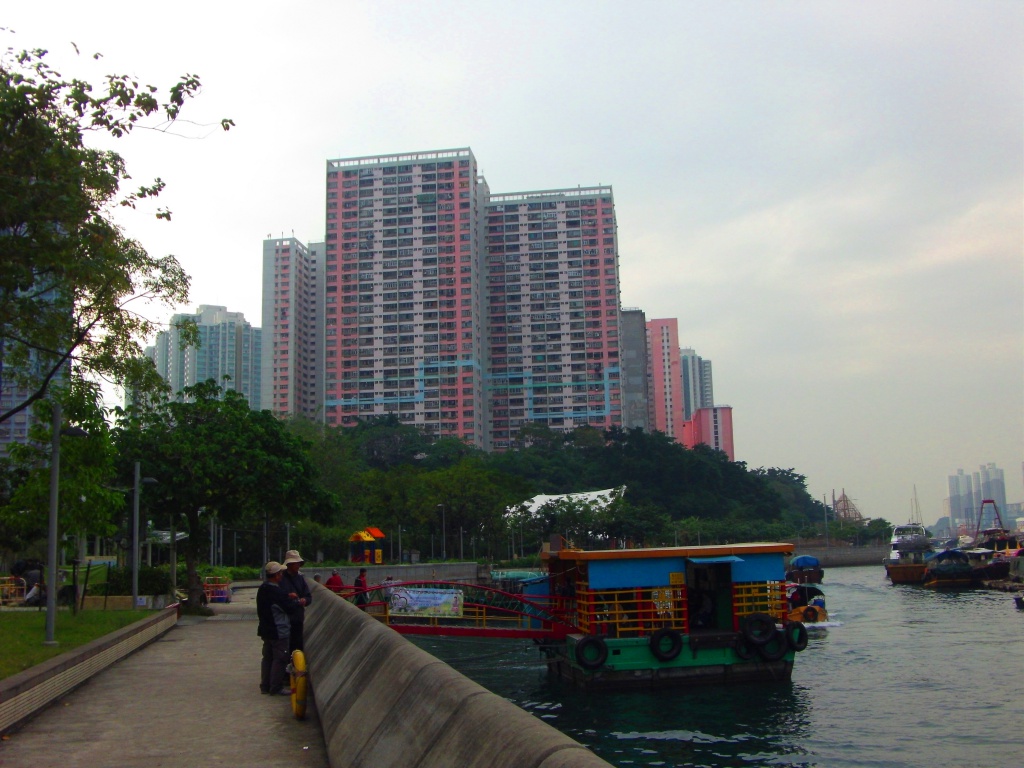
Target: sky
<point x="829" y="196"/>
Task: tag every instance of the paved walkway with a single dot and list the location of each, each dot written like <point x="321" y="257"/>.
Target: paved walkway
<point x="190" y="698"/>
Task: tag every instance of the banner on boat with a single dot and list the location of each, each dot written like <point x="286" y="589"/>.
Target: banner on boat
<point x="412" y="601"/>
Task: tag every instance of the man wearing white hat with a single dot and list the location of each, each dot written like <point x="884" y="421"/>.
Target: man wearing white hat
<point x="294" y="585"/>
<point x="274" y="609"/>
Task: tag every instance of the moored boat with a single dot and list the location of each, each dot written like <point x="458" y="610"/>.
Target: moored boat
<point x="909" y="549"/>
<point x="674" y="616"/>
<point x="805" y="569"/>
<point x="949" y="568"/>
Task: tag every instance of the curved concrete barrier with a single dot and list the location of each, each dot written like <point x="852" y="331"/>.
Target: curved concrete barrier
<point x="24" y="694"/>
<point x="383" y="701"/>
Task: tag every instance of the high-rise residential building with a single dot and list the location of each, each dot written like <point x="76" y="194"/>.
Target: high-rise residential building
<point x="712" y="427"/>
<point x="633" y="355"/>
<point x="461" y="312"/>
<point x="293" y="327"/>
<point x="405" y="332"/>
<point x="967" y="492"/>
<point x="698" y="389"/>
<point x="552" y="311"/>
<point x="666" y="381"/>
<point x="229" y="353"/>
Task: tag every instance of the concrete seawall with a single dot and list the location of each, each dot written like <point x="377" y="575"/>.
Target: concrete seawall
<point x="837" y="557"/>
<point x="383" y="701"/>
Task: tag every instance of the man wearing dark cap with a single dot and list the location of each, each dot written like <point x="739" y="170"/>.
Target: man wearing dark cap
<point x="274" y="609"/>
<point x="294" y="585"/>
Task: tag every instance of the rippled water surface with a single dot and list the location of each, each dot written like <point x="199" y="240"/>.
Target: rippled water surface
<point x="912" y="677"/>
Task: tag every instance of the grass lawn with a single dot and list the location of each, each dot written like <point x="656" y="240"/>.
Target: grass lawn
<point x="24" y="631"/>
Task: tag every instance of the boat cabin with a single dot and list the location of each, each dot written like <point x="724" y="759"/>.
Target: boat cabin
<point x="632" y="592"/>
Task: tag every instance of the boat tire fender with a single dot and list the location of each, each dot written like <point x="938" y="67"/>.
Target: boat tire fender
<point x="591" y="652"/>
<point x="810" y="614"/>
<point x="775" y="648"/>
<point x="796" y="635"/>
<point x="758" y="628"/>
<point x="744" y="649"/>
<point x="675" y="645"/>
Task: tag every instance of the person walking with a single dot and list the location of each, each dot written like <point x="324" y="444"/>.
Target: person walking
<point x="334" y="582"/>
<point x="295" y="586"/>
<point x="274" y="609"/>
<point x="362" y="596"/>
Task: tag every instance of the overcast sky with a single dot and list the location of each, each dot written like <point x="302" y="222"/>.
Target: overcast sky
<point x="827" y="195"/>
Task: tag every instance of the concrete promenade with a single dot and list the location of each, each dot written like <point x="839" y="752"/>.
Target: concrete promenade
<point x="190" y="698"/>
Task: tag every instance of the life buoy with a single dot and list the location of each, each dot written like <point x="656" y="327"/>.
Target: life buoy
<point x="591" y="652"/>
<point x="810" y="614"/>
<point x="758" y="628"/>
<point x="675" y="644"/>
<point x="299" y="682"/>
<point x="796" y="635"/>
<point x="743" y="648"/>
<point x="775" y="648"/>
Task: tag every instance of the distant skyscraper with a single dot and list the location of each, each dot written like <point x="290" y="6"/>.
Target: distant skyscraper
<point x="553" y="311"/>
<point x="634" y="356"/>
<point x="666" y="381"/>
<point x="962" y="509"/>
<point x="294" y="327"/>
<point x="967" y="492"/>
<point x="229" y="346"/>
<point x="698" y="387"/>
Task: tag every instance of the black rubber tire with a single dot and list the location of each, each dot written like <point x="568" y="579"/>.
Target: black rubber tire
<point x="776" y="647"/>
<point x="744" y="649"/>
<point x="810" y="614"/>
<point x="583" y="652"/>
<point x="758" y="628"/>
<point x="796" y="635"/>
<point x="674" y="648"/>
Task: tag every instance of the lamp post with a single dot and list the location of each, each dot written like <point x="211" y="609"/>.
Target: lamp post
<point x="444" y="550"/>
<point x="136" y="487"/>
<point x="51" y="533"/>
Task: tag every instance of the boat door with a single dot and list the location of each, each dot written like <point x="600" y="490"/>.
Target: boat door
<point x="709" y="589"/>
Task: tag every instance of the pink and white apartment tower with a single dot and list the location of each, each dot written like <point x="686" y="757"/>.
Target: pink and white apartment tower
<point x="712" y="427"/>
<point x="666" y="382"/>
<point x="403" y="319"/>
<point x="552" y="311"/>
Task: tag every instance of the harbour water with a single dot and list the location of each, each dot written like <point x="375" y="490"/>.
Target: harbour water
<point x="912" y="677"/>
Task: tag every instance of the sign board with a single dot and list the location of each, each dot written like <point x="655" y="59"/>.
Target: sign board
<point x="411" y="601"/>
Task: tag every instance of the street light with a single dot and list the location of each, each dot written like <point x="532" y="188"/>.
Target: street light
<point x="51" y="531"/>
<point x="135" y="532"/>
<point x="444" y="550"/>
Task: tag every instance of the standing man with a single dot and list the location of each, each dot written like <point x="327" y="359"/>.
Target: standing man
<point x="294" y="585"/>
<point x="362" y="597"/>
<point x="274" y="608"/>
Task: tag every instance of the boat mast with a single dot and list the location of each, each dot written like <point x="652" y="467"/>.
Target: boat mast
<point x="915" y="509"/>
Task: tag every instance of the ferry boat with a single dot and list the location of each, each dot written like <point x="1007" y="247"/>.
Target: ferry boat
<point x="909" y="549"/>
<point x="672" y="616"/>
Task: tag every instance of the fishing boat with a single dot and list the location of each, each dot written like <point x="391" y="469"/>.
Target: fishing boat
<point x="948" y="568"/>
<point x="805" y="569"/>
<point x="909" y="549"/>
<point x="806" y="603"/>
<point x="994" y="546"/>
<point x="672" y="616"/>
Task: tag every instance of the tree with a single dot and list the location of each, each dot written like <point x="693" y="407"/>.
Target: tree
<point x="214" y="458"/>
<point x="68" y="274"/>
